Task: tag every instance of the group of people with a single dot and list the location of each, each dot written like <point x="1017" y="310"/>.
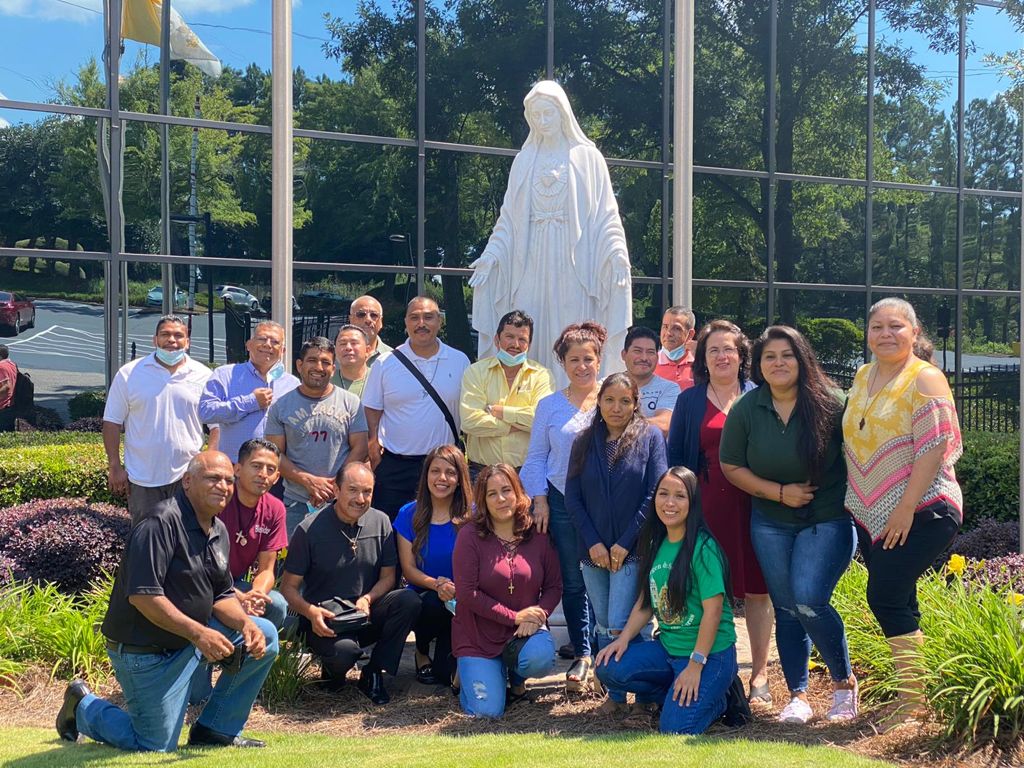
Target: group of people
<point x="643" y="502"/>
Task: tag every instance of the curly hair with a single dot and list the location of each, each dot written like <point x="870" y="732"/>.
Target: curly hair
<point x="587" y="332"/>
<point x="424" y="506"/>
<point x="701" y="375"/>
<point x="816" y="403"/>
<point x="523" y="522"/>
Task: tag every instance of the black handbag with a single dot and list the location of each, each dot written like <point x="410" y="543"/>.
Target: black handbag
<point x="510" y="653"/>
<point x="347" y="619"/>
<point x="737" y="708"/>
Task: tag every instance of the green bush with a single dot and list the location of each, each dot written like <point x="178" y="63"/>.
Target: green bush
<point x="989" y="474"/>
<point x="42" y="469"/>
<point x="836" y="342"/>
<point x="26" y="439"/>
<point x="972" y="658"/>
<point x="88" y="403"/>
<point x="42" y="625"/>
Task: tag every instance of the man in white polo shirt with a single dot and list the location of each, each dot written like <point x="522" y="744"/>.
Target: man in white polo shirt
<point x="155" y="399"/>
<point x="405" y="423"/>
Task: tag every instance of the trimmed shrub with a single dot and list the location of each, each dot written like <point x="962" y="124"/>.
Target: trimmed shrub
<point x="49" y="471"/>
<point x="989" y="538"/>
<point x="15" y="440"/>
<point x="837" y="342"/>
<point x="46" y="419"/>
<point x="66" y="542"/>
<point x="87" y="424"/>
<point x="88" y="403"/>
<point x="989" y="473"/>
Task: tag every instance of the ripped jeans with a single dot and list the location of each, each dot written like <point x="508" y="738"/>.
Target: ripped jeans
<point x="802" y="564"/>
<point x="483" y="681"/>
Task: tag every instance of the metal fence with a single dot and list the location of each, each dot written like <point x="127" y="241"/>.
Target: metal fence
<point x="987" y="397"/>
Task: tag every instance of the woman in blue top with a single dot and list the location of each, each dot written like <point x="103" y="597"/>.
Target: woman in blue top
<point x="691" y="665"/>
<point x="426" y="531"/>
<point x="559" y="418"/>
<point x="614" y="465"/>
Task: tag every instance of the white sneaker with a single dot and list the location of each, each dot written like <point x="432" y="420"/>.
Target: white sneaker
<point x="844" y="704"/>
<point x="797" y="711"/>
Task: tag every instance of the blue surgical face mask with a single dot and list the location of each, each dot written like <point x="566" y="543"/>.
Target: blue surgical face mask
<point x="170" y="357"/>
<point x="511" y="361"/>
<point x="675" y="355"/>
<point x="276" y="372"/>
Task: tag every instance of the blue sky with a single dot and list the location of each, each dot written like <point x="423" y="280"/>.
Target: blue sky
<point x="43" y="41"/>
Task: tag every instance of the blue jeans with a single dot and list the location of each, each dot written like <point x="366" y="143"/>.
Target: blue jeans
<point x="276" y="612"/>
<point x="562" y="530"/>
<point x="647" y="670"/>
<point x="156" y="689"/>
<point x="802" y="564"/>
<point x="483" y="680"/>
<point x="612" y="596"/>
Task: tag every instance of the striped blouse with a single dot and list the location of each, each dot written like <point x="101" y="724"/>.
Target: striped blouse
<point x="882" y="437"/>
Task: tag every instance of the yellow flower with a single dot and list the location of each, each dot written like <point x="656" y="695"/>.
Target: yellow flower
<point x="812" y="664"/>
<point x="1015" y="599"/>
<point x="956" y="564"/>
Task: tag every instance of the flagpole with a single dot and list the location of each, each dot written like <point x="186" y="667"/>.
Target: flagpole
<point x="682" y="177"/>
<point x="166" y="270"/>
<point x="281" y="170"/>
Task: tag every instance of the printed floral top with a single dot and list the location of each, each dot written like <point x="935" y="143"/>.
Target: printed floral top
<point x="882" y="437"/>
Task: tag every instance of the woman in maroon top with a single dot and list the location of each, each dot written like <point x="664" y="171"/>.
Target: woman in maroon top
<point x="508" y="581"/>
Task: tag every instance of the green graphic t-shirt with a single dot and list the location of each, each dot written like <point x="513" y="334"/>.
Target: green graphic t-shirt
<point x="679" y="633"/>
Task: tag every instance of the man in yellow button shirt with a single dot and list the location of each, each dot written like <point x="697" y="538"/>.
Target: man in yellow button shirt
<point x="500" y="395"/>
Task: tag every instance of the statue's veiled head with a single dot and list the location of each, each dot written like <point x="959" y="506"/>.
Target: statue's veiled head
<point x="548" y="113"/>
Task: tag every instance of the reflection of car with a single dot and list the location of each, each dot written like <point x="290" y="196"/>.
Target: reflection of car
<point x="266" y="304"/>
<point x="237" y="296"/>
<point x="155" y="297"/>
<point x="16" y="312"/>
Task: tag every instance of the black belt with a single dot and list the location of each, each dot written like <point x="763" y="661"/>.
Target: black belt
<point x="404" y="457"/>
<point x="116" y="647"/>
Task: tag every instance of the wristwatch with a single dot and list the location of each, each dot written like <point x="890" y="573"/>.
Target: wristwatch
<point x="698" y="658"/>
<point x="487" y="409"/>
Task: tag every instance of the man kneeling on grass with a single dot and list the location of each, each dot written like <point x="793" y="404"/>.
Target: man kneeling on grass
<point x="174" y="604"/>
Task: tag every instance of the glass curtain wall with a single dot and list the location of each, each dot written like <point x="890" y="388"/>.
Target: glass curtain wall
<point x="844" y="151"/>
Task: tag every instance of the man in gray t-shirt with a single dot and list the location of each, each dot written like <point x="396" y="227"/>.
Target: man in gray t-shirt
<point x="318" y="427"/>
<point x="657" y="395"/>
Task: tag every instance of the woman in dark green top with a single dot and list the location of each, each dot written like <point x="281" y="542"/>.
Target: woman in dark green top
<point x="692" y="663"/>
<point x="782" y="444"/>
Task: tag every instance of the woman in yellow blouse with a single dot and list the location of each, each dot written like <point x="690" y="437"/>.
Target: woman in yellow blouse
<point x="901" y="439"/>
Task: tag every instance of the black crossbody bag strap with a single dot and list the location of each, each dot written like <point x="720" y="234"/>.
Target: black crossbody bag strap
<point x="429" y="389"/>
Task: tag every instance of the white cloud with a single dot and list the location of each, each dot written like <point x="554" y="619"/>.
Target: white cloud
<point x="72" y="10"/>
<point x="188" y="8"/>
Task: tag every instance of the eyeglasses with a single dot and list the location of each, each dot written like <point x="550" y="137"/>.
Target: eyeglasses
<point x="362" y="314"/>
<point x="723" y="352"/>
<point x="275" y="343"/>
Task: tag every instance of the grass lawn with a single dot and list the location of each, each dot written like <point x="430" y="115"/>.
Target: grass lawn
<point x="38" y="748"/>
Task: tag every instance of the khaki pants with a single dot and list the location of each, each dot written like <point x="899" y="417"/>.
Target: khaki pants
<point x="141" y="499"/>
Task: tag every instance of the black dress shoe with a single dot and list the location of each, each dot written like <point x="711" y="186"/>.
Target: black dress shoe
<point x="567" y="651"/>
<point x="67" y="725"/>
<point x="371" y="683"/>
<point x="201" y="736"/>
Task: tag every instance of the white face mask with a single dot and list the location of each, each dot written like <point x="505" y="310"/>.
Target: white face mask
<point x="675" y="355"/>
<point x="511" y="360"/>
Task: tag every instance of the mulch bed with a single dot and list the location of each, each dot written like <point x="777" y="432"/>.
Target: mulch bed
<point x="418" y="709"/>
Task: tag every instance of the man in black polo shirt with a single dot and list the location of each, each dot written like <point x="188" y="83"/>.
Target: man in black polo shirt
<point x="347" y="550"/>
<point x="173" y="604"/>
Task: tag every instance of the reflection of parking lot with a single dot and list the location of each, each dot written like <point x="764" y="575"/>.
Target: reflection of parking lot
<point x="69" y="337"/>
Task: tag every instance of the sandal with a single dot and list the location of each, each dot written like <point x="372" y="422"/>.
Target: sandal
<point x="511" y="697"/>
<point x="760" y="694"/>
<point x="578" y="675"/>
<point x="425" y="674"/>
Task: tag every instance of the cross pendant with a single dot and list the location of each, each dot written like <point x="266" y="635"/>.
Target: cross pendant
<point x="861" y="423"/>
<point x="240" y="538"/>
<point x="355" y="547"/>
<point x="511" y="588"/>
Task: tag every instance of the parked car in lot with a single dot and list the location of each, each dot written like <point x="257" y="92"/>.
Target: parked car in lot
<point x="16" y="312"/>
<point x="266" y="304"/>
<point x="155" y="297"/>
<point x="237" y="295"/>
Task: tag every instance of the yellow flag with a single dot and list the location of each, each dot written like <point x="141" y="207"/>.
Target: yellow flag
<point x="141" y="22"/>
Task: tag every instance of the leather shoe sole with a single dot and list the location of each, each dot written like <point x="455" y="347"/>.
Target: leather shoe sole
<point x="67" y="724"/>
<point x="201" y="736"/>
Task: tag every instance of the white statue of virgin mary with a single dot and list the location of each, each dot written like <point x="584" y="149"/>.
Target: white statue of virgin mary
<point x="558" y="250"/>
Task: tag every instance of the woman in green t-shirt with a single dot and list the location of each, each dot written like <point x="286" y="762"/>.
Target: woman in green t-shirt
<point x="692" y="662"/>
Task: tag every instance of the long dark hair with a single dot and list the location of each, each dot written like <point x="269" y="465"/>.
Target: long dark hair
<point x="523" y="524"/>
<point x="424" y="506"/>
<point x="653" y="533"/>
<point x="701" y="375"/>
<point x="816" y="403"/>
<point x="628" y="440"/>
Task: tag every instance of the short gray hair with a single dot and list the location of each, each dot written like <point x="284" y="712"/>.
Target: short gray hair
<point x="903" y="307"/>
<point x="685" y="312"/>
